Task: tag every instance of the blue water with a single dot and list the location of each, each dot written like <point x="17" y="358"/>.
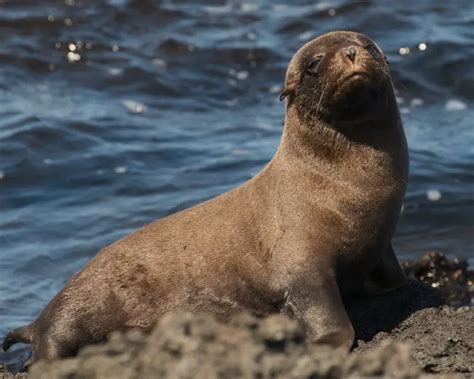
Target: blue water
<point x="115" y="113"/>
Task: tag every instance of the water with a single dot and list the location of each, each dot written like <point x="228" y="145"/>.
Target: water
<point x="115" y="113"/>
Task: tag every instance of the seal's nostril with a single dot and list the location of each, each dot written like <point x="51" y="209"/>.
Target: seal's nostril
<point x="351" y="52"/>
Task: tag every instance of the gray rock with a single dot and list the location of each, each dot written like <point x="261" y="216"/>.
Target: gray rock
<point x="198" y="346"/>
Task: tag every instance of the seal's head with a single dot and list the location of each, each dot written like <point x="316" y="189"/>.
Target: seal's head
<point x="339" y="78"/>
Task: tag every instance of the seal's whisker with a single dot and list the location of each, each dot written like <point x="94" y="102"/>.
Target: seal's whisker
<point x="321" y="97"/>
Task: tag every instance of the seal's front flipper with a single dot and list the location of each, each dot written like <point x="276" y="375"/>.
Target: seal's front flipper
<point x="318" y="306"/>
<point x="386" y="276"/>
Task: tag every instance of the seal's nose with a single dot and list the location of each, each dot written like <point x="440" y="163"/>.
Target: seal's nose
<point x="351" y="53"/>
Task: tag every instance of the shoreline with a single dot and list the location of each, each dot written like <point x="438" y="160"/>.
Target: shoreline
<point x="424" y="328"/>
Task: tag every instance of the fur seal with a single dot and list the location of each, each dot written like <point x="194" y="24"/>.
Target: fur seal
<point x="312" y="229"/>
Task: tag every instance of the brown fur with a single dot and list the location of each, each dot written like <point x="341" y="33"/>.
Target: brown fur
<point x="313" y="227"/>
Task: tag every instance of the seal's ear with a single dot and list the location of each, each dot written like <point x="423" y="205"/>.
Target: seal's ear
<point x="289" y="90"/>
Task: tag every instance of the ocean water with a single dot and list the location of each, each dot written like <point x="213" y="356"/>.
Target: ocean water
<point x="114" y="113"/>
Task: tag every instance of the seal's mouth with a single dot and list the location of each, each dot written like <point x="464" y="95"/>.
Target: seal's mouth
<point x="356" y="75"/>
<point x="355" y="81"/>
<point x="357" y="95"/>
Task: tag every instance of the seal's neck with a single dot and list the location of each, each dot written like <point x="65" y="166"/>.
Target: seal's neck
<point x="318" y="142"/>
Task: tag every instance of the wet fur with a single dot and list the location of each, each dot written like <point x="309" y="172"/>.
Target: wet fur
<point x="312" y="228"/>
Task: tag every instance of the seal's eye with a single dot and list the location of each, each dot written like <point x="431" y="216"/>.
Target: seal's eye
<point x="372" y="50"/>
<point x="313" y="65"/>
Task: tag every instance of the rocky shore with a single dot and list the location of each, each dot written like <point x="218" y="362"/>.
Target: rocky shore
<point x="425" y="329"/>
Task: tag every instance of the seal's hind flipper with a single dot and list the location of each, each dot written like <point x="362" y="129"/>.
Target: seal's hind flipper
<point x="386" y="276"/>
<point x="22" y="334"/>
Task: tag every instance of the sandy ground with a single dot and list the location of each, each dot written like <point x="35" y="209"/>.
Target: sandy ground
<point x="408" y="333"/>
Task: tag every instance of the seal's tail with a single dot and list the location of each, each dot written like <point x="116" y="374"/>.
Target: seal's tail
<point x="22" y="334"/>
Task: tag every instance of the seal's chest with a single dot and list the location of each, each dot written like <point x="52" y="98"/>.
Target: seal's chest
<point x="360" y="213"/>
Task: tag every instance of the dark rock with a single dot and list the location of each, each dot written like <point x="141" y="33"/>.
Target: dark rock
<point x="451" y="276"/>
<point x="197" y="346"/>
<point x="383" y="313"/>
<point x="442" y="340"/>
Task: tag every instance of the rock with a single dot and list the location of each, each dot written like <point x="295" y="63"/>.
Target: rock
<point x="198" y="346"/>
<point x="442" y="340"/>
<point x="451" y="276"/>
<point x="389" y="359"/>
<point x="372" y="315"/>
